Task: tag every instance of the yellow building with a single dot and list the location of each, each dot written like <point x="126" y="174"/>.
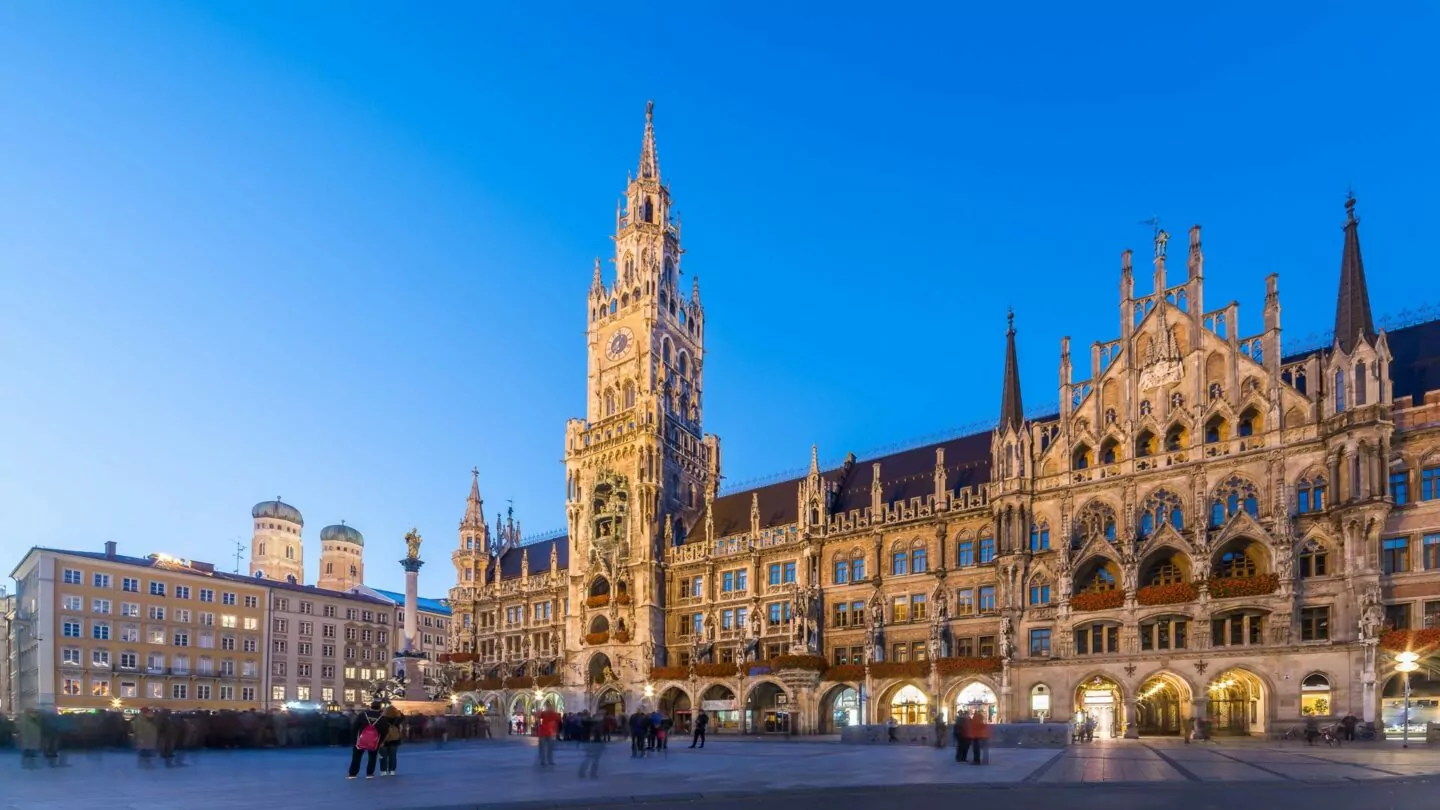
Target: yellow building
<point x="94" y="630"/>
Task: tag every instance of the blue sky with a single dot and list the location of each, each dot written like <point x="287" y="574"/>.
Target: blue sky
<point x="339" y="251"/>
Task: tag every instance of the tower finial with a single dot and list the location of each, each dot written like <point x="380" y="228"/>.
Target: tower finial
<point x="1353" y="321"/>
<point x="1012" y="411"/>
<point x="649" y="161"/>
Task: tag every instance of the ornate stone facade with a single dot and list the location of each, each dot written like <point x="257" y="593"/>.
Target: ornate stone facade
<point x="1205" y="529"/>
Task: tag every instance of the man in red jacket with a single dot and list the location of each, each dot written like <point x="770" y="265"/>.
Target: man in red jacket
<point x="547" y="726"/>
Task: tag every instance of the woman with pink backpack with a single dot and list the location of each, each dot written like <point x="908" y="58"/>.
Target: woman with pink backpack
<point x="370" y="728"/>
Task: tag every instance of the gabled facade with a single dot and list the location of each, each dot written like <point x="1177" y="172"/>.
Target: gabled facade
<point x="1206" y="529"/>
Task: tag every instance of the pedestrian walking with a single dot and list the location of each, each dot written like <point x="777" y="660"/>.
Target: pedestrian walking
<point x="701" y="722"/>
<point x="592" y="736"/>
<point x="369" y="727"/>
<point x="891" y="726"/>
<point x="147" y="734"/>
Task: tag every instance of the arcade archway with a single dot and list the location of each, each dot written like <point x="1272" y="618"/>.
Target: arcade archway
<point x="977" y="698"/>
<point x="769" y="709"/>
<point x="910" y="705"/>
<point x="1099" y="707"/>
<point x="1161" y="705"/>
<point x="675" y="704"/>
<point x="719" y="702"/>
<point x="1236" y="703"/>
<point x="839" y="708"/>
<point x="610" y="702"/>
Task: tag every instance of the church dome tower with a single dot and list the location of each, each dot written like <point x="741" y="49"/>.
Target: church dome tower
<point x="342" y="557"/>
<point x="276" y="549"/>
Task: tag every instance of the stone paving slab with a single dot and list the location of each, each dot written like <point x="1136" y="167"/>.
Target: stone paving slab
<point x="504" y="772"/>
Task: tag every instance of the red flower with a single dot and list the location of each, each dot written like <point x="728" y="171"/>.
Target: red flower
<point x="1097" y="600"/>
<point x="1172" y="594"/>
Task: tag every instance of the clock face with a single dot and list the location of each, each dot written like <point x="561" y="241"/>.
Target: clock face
<point x="619" y="343"/>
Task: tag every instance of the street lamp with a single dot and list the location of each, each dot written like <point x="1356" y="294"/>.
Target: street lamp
<point x="1407" y="662"/>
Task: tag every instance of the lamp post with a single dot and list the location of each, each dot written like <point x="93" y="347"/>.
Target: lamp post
<point x="1407" y="662"/>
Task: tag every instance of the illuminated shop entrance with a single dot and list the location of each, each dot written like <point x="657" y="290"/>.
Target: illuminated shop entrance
<point x="910" y="706"/>
<point x="1097" y="703"/>
<point x="977" y="698"/>
<point x="1159" y="706"/>
<point x="1235" y="703"/>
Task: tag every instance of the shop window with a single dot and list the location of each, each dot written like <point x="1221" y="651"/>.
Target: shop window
<point x="1315" y="696"/>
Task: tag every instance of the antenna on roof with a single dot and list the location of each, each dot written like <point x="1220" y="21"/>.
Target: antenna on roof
<point x="239" y="552"/>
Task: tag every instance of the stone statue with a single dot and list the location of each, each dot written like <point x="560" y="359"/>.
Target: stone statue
<point x="412" y="544"/>
<point x="755" y="624"/>
<point x="710" y="627"/>
<point x="942" y="606"/>
<point x="1128" y="575"/>
<point x="877" y="614"/>
<point x="1284" y="560"/>
<point x="1372" y="615"/>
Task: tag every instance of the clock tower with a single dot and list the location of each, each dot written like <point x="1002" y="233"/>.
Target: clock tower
<point x="639" y="470"/>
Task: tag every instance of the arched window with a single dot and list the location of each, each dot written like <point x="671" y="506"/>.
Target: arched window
<point x="899" y="562"/>
<point x="1145" y="407"/>
<point x="1315" y="694"/>
<point x="842" y="570"/>
<point x="1162" y="507"/>
<point x="1095" y="518"/>
<point x="1237" y="563"/>
<point x="1314" y="559"/>
<point x="1104" y="580"/>
<point x="1109" y="451"/>
<point x="857" y="565"/>
<point x="629" y="394"/>
<point x="289" y="552"/>
<point x="1040" y="701"/>
<point x="329" y="567"/>
<point x="1175" y="438"/>
<point x="609" y="402"/>
<point x="1146" y="444"/>
<point x="1216" y="429"/>
<point x="1040" y="536"/>
<point x="987" y="549"/>
<point x="1360" y="383"/>
<point x="1039" y="592"/>
<point x="965" y="553"/>
<point x="665" y="349"/>
<point x="648" y="209"/>
<point x="1233" y="495"/>
<point x="918" y="562"/>
<point x="1082" y="456"/>
<point x="614" y="306"/>
<point x="1339" y="390"/>
<point x="1310" y="493"/>
<point x="1249" y="422"/>
<point x="683" y="366"/>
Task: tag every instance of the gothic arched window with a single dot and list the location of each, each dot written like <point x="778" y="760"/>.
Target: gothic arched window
<point x="1039" y="591"/>
<point x="1360" y="383"/>
<point x="1310" y="493"/>
<point x="1095" y="518"/>
<point x="1339" y="390"/>
<point x="1040" y="536"/>
<point x="1162" y="507"/>
<point x="919" y="563"/>
<point x="1314" y="559"/>
<point x="1233" y="495"/>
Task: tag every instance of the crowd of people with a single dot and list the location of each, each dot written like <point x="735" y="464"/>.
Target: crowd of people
<point x="166" y="735"/>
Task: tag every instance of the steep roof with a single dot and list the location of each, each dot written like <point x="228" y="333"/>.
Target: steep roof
<point x="1414" y="359"/>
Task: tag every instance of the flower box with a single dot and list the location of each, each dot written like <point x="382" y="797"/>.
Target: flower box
<point x="845" y="672"/>
<point x="1421" y="641"/>
<point x="1097" y="600"/>
<point x="810" y="662"/>
<point x="903" y="669"/>
<point x="669" y="673"/>
<point x="968" y="666"/>
<point x="717" y="670"/>
<point x="1258" y="585"/>
<point x="622" y="599"/>
<point x="1173" y="594"/>
<point x="598" y="601"/>
<point x="487" y="684"/>
<point x="597" y="638"/>
<point x="622" y="636"/>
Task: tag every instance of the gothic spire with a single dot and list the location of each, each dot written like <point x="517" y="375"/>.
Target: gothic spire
<point x="649" y="160"/>
<point x="474" y="505"/>
<point x="1352" y="310"/>
<point x="1012" y="412"/>
<point x="597" y="284"/>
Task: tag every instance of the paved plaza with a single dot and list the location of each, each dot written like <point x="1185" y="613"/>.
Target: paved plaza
<point x="504" y="772"/>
